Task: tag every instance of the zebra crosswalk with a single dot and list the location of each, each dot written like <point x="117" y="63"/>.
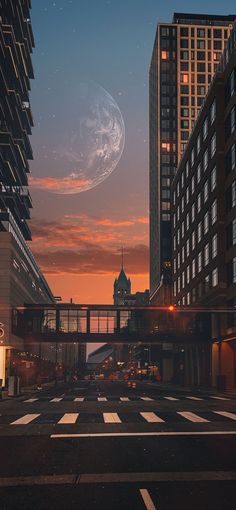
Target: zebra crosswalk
<point x="132" y="398"/>
<point x="120" y="418"/>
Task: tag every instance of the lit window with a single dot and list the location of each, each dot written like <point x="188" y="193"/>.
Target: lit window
<point x="206" y="222"/>
<point x="164" y="55"/>
<point x="214" y="246"/>
<point x="165" y="146"/>
<point x="184" y="78"/>
<point x="205" y="191"/>
<point x="215" y="277"/>
<point x="213" y="178"/>
<point x="199" y="261"/>
<point x="206" y="254"/>
<point x="213" y="212"/>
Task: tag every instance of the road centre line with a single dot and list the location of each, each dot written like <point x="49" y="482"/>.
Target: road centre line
<point x="192" y="417"/>
<point x="147" y="499"/>
<point x="69" y="418"/>
<point x="91" y="478"/>
<point x="24" y="420"/>
<point x="145" y="434"/>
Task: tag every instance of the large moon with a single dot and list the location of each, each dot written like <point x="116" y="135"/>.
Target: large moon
<point x="90" y="145"/>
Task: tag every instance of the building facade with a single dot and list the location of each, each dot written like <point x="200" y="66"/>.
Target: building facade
<point x="204" y="218"/>
<point x="185" y="56"/>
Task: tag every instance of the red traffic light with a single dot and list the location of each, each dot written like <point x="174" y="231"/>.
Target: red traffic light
<point x="171" y="308"/>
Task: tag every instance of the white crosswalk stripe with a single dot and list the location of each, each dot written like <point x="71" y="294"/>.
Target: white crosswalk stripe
<point x="124" y="399"/>
<point x="30" y="400"/>
<point x="152" y="418"/>
<point x="220" y="398"/>
<point x="194" y="398"/>
<point x="79" y="399"/>
<point x="68" y="418"/>
<point x="171" y="398"/>
<point x="192" y="417"/>
<point x="111" y="418"/>
<point x="232" y="416"/>
<point x="146" y="398"/>
<point x="56" y="399"/>
<point x="102" y="399"/>
<point x="24" y="420"/>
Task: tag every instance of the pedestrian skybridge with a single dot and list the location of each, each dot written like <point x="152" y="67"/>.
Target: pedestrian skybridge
<point x="107" y="323"/>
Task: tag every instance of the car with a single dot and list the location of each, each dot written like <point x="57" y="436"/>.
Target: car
<point x="134" y="384"/>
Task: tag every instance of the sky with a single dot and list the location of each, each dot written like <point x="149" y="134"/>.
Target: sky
<point x="77" y="237"/>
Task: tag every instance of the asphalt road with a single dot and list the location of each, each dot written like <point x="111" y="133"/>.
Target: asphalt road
<point x="94" y="444"/>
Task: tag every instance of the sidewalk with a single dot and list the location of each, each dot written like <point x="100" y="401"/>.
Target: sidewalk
<point x="176" y="387"/>
<point x="25" y="390"/>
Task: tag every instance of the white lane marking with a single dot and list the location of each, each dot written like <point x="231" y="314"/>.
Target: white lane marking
<point x="192" y="417"/>
<point x="226" y="414"/>
<point x="146" y="398"/>
<point x="171" y="398"/>
<point x="139" y="434"/>
<point x="124" y="399"/>
<point x="194" y="398"/>
<point x="31" y="400"/>
<point x="56" y="399"/>
<point x="111" y="418"/>
<point x="220" y="398"/>
<point x="69" y="418"/>
<point x="152" y="417"/>
<point x="102" y="399"/>
<point x="24" y="420"/>
<point x="147" y="499"/>
<point x="79" y="399"/>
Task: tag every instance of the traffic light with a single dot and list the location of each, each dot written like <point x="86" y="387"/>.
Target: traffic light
<point x="171" y="308"/>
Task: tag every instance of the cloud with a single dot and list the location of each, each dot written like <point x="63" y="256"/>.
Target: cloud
<point x="93" y="260"/>
<point x="70" y="184"/>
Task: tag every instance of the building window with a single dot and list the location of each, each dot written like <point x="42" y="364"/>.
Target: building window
<point x="174" y="288"/>
<point x="230" y="123"/>
<point x="199" y="232"/>
<point x="205" y="191"/>
<point x="192" y="156"/>
<point x="178" y="284"/>
<point x="198" y="143"/>
<point x="214" y="246"/>
<point x="213" y="111"/>
<point x="213" y="178"/>
<point x="178" y="189"/>
<point x="199" y="202"/>
<point x="174" y="266"/>
<point x="205" y="129"/>
<point x="187" y="248"/>
<point x="206" y="222"/>
<point x="187" y="169"/>
<point x="182" y="254"/>
<point x="199" y="173"/>
<point x="182" y="204"/>
<point x="213" y="145"/>
<point x="192" y="185"/>
<point x="193" y="268"/>
<point x="207" y="283"/>
<point x="205" y="160"/>
<point x="187" y="195"/>
<point x="183" y="280"/>
<point x="213" y="212"/>
<point x="231" y="271"/>
<point x="231" y="196"/>
<point x="178" y="236"/>
<point x="188" y="274"/>
<point x="230" y="160"/>
<point x="231" y="234"/>
<point x="199" y="260"/>
<point x="214" y="277"/>
<point x="187" y="221"/>
<point x="178" y="260"/>
<point x="206" y="254"/>
<point x="164" y="55"/>
<point x="193" y="212"/>
<point x="182" y="229"/>
<point x="188" y="298"/>
<point x="193" y="240"/>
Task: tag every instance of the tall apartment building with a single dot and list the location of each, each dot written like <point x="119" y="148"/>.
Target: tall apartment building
<point x="185" y="56"/>
<point x="204" y="217"/>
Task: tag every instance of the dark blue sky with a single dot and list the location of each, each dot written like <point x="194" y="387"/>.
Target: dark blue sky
<point x="109" y="42"/>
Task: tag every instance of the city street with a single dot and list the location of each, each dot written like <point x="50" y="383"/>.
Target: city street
<point x="100" y="443"/>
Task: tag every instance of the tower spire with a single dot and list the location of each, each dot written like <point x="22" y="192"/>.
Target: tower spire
<point x="122" y="257"/>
